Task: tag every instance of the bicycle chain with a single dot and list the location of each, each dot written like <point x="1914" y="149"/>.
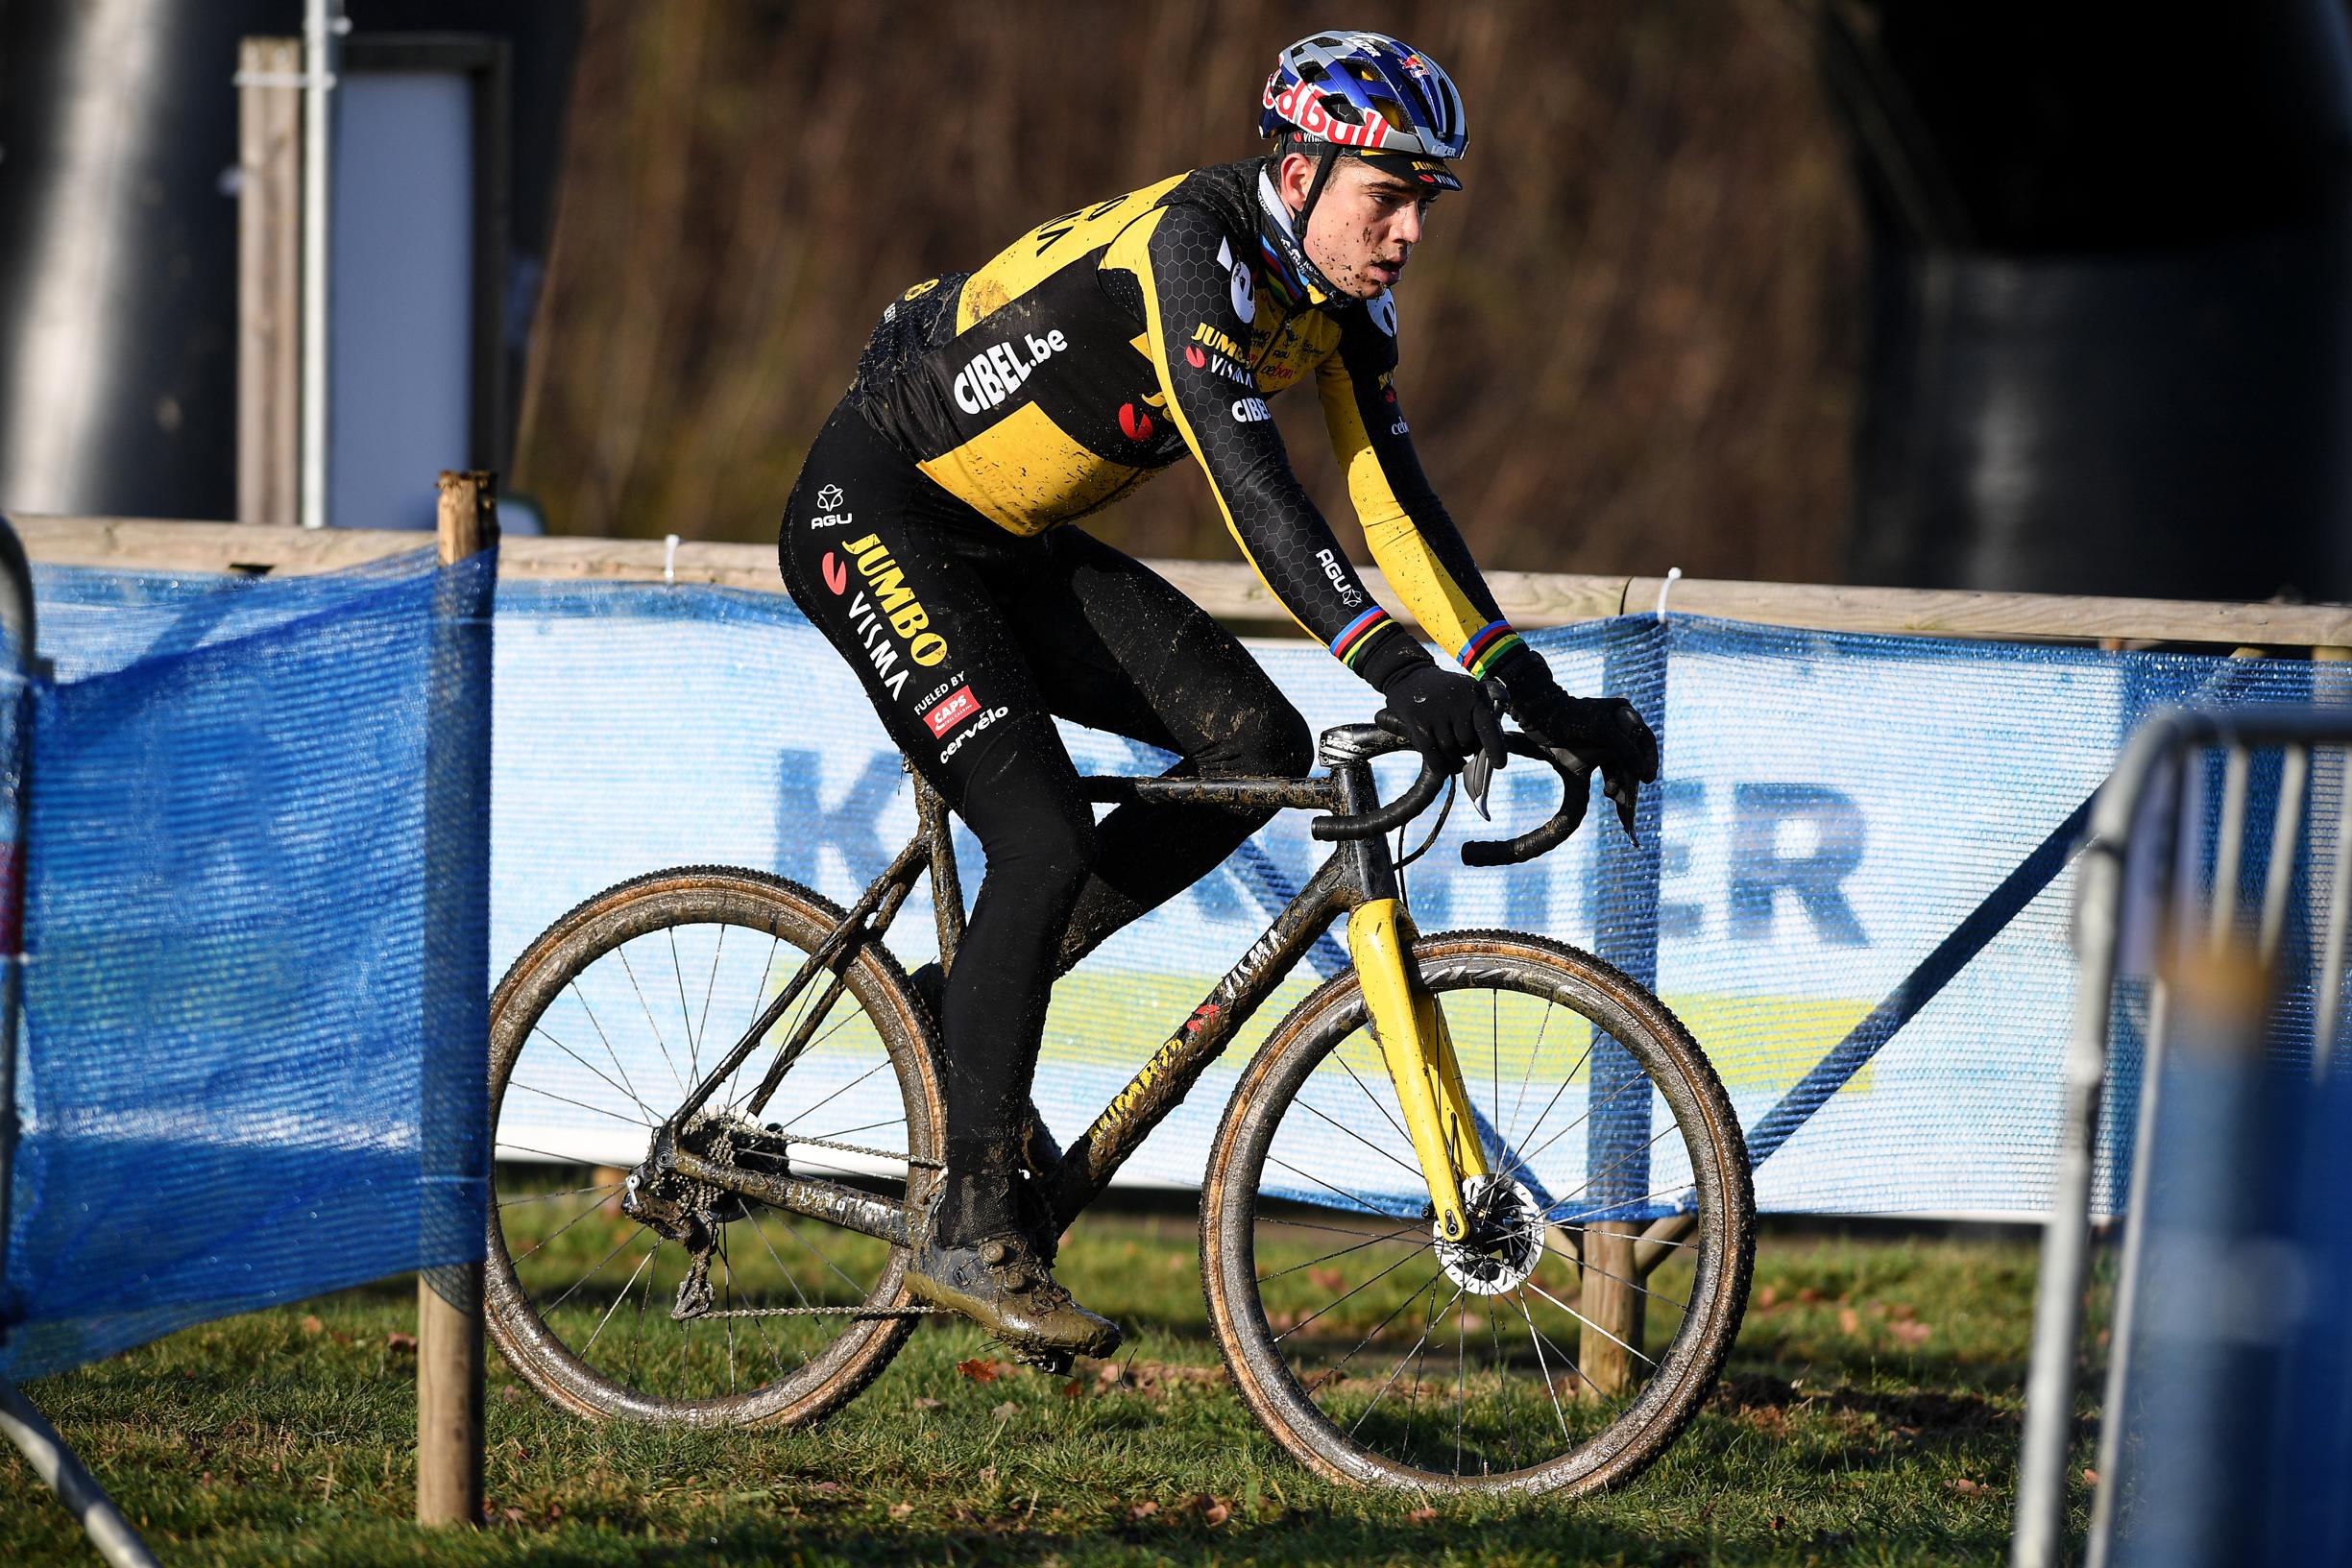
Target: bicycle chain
<point x="811" y="1312"/>
<point x="789" y="1139"/>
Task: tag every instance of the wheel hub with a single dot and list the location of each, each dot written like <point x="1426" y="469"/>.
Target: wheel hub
<point x="1505" y="1240"/>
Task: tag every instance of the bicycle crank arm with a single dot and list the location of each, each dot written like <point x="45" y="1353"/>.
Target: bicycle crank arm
<point x="884" y="1218"/>
<point x="1420" y="1053"/>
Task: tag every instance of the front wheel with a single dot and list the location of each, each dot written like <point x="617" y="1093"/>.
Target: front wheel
<point x="1567" y="1342"/>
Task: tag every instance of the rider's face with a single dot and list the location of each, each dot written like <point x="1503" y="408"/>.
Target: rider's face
<point x="1365" y="225"/>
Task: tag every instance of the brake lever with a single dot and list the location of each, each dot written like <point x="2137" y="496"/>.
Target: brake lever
<point x="1627" y="793"/>
<point x="1477" y="773"/>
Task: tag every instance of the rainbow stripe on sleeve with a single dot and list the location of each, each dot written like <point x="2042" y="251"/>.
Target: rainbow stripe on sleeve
<point x="1486" y="645"/>
<point x="1357" y="635"/>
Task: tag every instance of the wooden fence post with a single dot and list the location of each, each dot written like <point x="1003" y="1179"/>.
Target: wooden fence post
<point x="268" y="278"/>
<point x="449" y="1297"/>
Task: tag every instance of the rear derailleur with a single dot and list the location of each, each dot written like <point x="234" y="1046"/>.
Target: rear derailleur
<point x="693" y="1213"/>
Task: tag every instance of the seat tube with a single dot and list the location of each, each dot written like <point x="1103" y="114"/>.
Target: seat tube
<point x="1409" y="1027"/>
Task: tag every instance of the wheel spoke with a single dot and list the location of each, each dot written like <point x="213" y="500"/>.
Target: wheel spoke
<point x="623" y="1351"/>
<point x="622" y="953"/>
<point x="1385" y="1235"/>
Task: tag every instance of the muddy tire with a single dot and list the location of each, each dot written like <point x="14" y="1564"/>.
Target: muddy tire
<point x="1377" y="1356"/>
<point x="595" y="1033"/>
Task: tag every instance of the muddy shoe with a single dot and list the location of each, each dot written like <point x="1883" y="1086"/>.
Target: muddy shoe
<point x="1000" y="1285"/>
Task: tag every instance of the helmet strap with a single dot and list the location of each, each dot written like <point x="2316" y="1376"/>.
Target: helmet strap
<point x="1326" y="157"/>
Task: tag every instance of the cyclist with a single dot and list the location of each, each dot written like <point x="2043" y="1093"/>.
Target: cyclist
<point x="923" y="536"/>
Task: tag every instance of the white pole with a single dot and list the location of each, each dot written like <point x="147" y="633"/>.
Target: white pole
<point x="323" y="29"/>
<point x="55" y="1463"/>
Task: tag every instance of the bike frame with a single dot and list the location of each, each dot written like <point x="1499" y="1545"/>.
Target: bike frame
<point x="1358" y="880"/>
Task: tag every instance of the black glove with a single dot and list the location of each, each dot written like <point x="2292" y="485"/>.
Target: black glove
<point x="1447" y="717"/>
<point x="1610" y="731"/>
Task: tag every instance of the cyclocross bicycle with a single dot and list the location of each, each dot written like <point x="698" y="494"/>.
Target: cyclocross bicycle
<point x="1477" y="1217"/>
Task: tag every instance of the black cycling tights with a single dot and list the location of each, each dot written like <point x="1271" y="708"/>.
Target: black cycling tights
<point x="967" y="638"/>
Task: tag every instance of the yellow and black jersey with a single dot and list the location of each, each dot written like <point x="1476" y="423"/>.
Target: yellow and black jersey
<point x="1099" y="347"/>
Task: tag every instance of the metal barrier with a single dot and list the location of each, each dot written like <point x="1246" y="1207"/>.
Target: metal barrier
<point x="2131" y="885"/>
<point x="24" y="1425"/>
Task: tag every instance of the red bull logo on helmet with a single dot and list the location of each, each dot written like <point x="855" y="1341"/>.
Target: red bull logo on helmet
<point x="1303" y="105"/>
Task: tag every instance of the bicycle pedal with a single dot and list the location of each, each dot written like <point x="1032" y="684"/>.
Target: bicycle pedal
<point x="1053" y="1363"/>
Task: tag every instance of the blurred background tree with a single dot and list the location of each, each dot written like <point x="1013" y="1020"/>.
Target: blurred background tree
<point x="1630" y="343"/>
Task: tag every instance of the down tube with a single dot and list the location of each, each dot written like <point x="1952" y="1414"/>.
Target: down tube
<point x="1162" y="1083"/>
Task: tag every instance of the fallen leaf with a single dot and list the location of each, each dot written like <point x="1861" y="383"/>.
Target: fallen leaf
<point x="396" y="1340"/>
<point x="1911" y="1333"/>
<point x="1472" y="1322"/>
<point x="312" y="1325"/>
<point x="1011" y="1406"/>
<point x="1073" y="1389"/>
<point x="1769" y="1294"/>
<point x="2090" y="1477"/>
<point x="1107" y="1372"/>
<point x="1809" y="1295"/>
<point x="987" y="1474"/>
<point x="1214" y="1510"/>
<point x="1326" y="1279"/>
<point x="1849" y="1321"/>
<point x="1779" y="1522"/>
<point x="1144" y="1510"/>
<point x="899" y="1510"/>
<point x="824" y="1485"/>
<point x="924" y="1402"/>
<point x="981" y="1369"/>
<point x="1421" y="1516"/>
<point x="1967" y="1487"/>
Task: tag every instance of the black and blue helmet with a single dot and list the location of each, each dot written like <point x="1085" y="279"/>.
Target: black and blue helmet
<point x="1366" y="93"/>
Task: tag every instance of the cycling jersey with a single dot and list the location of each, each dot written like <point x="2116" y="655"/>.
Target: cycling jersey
<point x="1101" y="346"/>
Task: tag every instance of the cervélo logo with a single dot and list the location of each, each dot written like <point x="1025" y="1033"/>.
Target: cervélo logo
<point x="979" y="723"/>
<point x="997" y="375"/>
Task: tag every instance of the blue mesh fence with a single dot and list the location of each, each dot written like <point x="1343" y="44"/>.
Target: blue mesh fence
<point x="1852" y="884"/>
<point x="1855" y="887"/>
<point x="253" y="1031"/>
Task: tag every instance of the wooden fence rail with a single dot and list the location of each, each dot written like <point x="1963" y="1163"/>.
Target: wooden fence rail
<point x="1231" y="591"/>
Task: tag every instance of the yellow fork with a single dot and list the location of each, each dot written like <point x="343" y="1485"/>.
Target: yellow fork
<point x="1411" y="1031"/>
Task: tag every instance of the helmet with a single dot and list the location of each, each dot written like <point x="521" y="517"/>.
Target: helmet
<point x="1367" y="92"/>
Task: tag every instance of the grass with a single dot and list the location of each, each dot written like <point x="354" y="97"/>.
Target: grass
<point x="1870" y="1415"/>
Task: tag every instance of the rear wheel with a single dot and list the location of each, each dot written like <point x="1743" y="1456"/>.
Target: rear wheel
<point x="693" y="1307"/>
<point x="1567" y="1342"/>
